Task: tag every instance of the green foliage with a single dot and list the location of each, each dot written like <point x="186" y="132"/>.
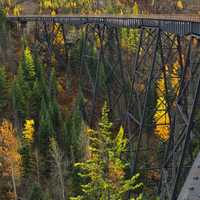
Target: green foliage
<point x="103" y="172"/>
<point x="26" y="149"/>
<point x="72" y="133"/>
<point x="45" y="127"/>
<point x="53" y="84"/>
<point x="22" y="92"/>
<point x="3" y="29"/>
<point x="130" y="39"/>
<point x="3" y="88"/>
<point x="28" y="66"/>
<point x="37" y="193"/>
<point x="121" y="142"/>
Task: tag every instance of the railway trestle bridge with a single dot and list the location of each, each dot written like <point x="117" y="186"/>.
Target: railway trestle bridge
<point x="165" y="57"/>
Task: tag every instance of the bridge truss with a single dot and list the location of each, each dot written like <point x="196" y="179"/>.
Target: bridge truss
<point x="164" y="78"/>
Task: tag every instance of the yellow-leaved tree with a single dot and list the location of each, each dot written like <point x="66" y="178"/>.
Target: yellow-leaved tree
<point x="9" y="161"/>
<point x="161" y="115"/>
<point x="28" y="131"/>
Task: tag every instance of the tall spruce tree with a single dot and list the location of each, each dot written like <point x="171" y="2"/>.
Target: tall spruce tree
<point x="19" y="95"/>
<point x="103" y="172"/>
<point x="23" y="86"/>
<point x="37" y="193"/>
<point x="73" y="128"/>
<point x="3" y="88"/>
<point x="29" y="70"/>
<point x="26" y="150"/>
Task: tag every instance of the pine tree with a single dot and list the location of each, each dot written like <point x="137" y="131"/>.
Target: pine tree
<point x="23" y="87"/>
<point x="3" y="32"/>
<point x="57" y="156"/>
<point x="29" y="70"/>
<point x="73" y="128"/>
<point x="53" y="85"/>
<point x="104" y="170"/>
<point x="37" y="193"/>
<point x="3" y="88"/>
<point x="45" y="132"/>
<point x="18" y="94"/>
<point x="26" y="150"/>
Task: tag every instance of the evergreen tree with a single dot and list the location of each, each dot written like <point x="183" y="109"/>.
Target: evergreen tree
<point x="26" y="150"/>
<point x="45" y="128"/>
<point x="104" y="170"/>
<point x="19" y="95"/>
<point x="29" y="70"/>
<point x="53" y="85"/>
<point x="3" y="88"/>
<point x="23" y="86"/>
<point x="58" y="171"/>
<point x="46" y="131"/>
<point x="73" y="128"/>
<point x="37" y="193"/>
<point x="3" y="32"/>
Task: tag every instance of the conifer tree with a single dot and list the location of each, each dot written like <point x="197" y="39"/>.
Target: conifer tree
<point x="26" y="150"/>
<point x="72" y="131"/>
<point x="53" y="107"/>
<point x="23" y="86"/>
<point x="28" y="67"/>
<point x="37" y="193"/>
<point x="40" y="90"/>
<point x="3" y="88"/>
<point x="104" y="170"/>
<point x="19" y="95"/>
<point x="57" y="156"/>
<point x="45" y="128"/>
<point x="45" y="132"/>
<point x="3" y="32"/>
<point x="53" y="84"/>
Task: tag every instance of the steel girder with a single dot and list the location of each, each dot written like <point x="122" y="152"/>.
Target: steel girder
<point x="165" y="68"/>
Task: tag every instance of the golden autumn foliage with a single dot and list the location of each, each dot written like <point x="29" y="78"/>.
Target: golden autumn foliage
<point x="10" y="160"/>
<point x="8" y="146"/>
<point x="174" y="81"/>
<point x="179" y="5"/>
<point x="28" y="131"/>
<point x="17" y="10"/>
<point x="116" y="173"/>
<point x="162" y="119"/>
<point x="161" y="116"/>
<point x="11" y="8"/>
<point x="58" y="40"/>
<point x="135" y="9"/>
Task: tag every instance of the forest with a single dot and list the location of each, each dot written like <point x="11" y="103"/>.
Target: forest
<point x="65" y="130"/>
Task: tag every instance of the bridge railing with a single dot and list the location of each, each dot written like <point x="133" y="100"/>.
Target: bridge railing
<point x="179" y="24"/>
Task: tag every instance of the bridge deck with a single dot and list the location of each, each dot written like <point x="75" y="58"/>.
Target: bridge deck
<point x="179" y="24"/>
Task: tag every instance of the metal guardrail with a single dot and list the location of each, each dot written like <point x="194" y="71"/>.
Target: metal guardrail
<point x="179" y="24"/>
